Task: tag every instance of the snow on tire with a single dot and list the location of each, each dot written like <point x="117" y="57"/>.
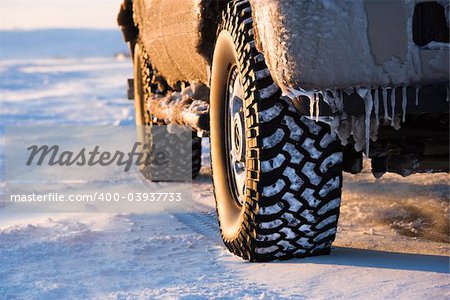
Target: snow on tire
<point x="293" y="165"/>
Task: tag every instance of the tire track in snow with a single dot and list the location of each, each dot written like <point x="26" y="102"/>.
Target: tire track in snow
<point x="202" y="220"/>
<point x="199" y="217"/>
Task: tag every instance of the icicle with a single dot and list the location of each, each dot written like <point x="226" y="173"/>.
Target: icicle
<point x="345" y="129"/>
<point x="334" y="124"/>
<point x="326" y="99"/>
<point x="331" y="101"/>
<point x="385" y="103"/>
<point x="366" y="94"/>
<point x="298" y="92"/>
<point x="397" y="125"/>
<point x="417" y="95"/>
<point x="358" y="132"/>
<point x="311" y="105"/>
<point x="404" y="102"/>
<point x="374" y="130"/>
<point x="377" y="106"/>
<point x="294" y="93"/>
<point x="339" y="101"/>
<point x="448" y="93"/>
<point x="393" y="107"/>
<point x="317" y="98"/>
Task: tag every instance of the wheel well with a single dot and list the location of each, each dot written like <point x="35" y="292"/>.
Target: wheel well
<point x="211" y="11"/>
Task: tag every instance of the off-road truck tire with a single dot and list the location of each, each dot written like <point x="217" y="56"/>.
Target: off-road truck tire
<point x="143" y="77"/>
<point x="293" y="165"/>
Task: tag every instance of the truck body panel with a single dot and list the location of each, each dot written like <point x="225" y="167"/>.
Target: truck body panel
<point x="339" y="44"/>
<point x="309" y="44"/>
<point x="170" y="31"/>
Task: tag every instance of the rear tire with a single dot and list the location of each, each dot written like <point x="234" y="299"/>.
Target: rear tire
<point x="293" y="173"/>
<point x="143" y="78"/>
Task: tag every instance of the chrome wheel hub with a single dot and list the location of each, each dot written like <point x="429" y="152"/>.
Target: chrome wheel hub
<point x="236" y="136"/>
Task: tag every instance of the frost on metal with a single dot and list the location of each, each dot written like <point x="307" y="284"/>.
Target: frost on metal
<point x="323" y="43"/>
<point x="182" y="108"/>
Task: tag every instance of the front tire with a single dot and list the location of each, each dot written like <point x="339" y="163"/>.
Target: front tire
<point x="288" y="203"/>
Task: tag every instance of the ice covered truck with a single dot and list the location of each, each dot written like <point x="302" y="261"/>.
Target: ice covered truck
<point x="292" y="93"/>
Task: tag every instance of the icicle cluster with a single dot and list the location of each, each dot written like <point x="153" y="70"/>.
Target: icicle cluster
<point x="365" y="127"/>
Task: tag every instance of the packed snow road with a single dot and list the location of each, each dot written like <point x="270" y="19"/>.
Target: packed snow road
<point x="392" y="239"/>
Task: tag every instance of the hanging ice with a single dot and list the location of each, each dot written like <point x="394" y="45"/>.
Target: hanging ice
<point x="339" y="101"/>
<point x="366" y="94"/>
<point x="392" y="107"/>
<point x="345" y="129"/>
<point x="417" y="95"/>
<point x="404" y="102"/>
<point x="294" y="93"/>
<point x="386" y="116"/>
<point x="377" y="106"/>
<point x="364" y="127"/>
<point x="358" y="132"/>
<point x="316" y="100"/>
<point x="334" y="99"/>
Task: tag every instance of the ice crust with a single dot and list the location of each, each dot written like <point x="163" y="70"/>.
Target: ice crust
<point x="321" y="44"/>
<point x="185" y="103"/>
<point x="365" y="127"/>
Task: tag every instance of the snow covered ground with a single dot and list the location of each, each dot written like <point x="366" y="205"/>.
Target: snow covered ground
<point x="392" y="239"/>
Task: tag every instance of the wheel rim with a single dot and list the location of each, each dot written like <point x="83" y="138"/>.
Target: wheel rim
<point x="229" y="209"/>
<point x="235" y="132"/>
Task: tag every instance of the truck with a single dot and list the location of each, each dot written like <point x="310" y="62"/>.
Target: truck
<point x="292" y="93"/>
